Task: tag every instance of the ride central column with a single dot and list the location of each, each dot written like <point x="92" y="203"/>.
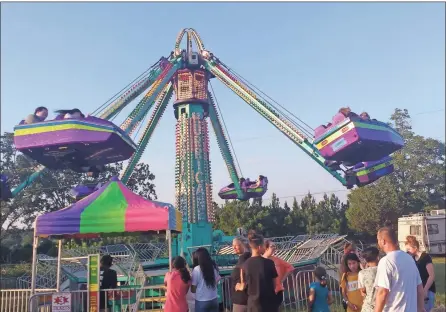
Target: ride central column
<point x="193" y="185"/>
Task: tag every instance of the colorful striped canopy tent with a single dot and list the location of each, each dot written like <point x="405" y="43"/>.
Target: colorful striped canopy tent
<point x="111" y="210"/>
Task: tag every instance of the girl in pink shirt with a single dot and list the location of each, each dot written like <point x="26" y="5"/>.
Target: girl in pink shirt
<point x="177" y="282"/>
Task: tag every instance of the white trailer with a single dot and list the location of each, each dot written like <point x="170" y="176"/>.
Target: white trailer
<point x="429" y="229"/>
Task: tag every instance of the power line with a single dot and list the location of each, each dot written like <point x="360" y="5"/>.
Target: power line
<point x="312" y="193"/>
<point x="430" y="112"/>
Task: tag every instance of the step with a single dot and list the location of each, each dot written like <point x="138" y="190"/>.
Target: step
<point x="153" y="299"/>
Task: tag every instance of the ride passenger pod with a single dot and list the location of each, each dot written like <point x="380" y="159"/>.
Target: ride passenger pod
<point x="249" y="189"/>
<point x="368" y="172"/>
<point x="355" y="140"/>
<point x="80" y="191"/>
<point x="74" y="143"/>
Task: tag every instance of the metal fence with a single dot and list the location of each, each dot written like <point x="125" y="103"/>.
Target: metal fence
<point x="131" y="299"/>
<point x="152" y="298"/>
<point x="17" y="300"/>
<point x="296" y="293"/>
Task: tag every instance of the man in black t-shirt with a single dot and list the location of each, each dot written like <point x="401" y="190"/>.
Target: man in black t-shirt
<point x="109" y="281"/>
<point x="259" y="277"/>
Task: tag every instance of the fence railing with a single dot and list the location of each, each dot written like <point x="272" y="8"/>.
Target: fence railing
<point x="152" y="298"/>
<point x="17" y="300"/>
<point x="130" y="299"/>
<point x="296" y="291"/>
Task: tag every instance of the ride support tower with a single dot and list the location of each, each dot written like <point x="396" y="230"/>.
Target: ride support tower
<point x="193" y="184"/>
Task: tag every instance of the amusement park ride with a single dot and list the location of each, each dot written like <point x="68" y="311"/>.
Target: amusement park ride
<point x="352" y="149"/>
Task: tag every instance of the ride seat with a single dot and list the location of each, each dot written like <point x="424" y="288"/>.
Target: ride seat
<point x="319" y="131"/>
<point x="338" y="118"/>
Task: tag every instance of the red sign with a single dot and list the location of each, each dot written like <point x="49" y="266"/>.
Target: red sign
<point x="61" y="302"/>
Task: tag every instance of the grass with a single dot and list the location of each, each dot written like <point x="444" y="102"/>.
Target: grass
<point x="440" y="281"/>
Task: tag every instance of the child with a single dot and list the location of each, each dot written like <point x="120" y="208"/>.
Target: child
<point x="177" y="282"/>
<point x="366" y="278"/>
<point x="349" y="283"/>
<point x="320" y="297"/>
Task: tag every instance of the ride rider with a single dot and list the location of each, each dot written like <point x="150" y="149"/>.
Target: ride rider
<point x="259" y="181"/>
<point x="364" y="116"/>
<point x="40" y="114"/>
<point x="347" y="112"/>
<point x="242" y="182"/>
<point x="93" y="171"/>
<point x="74" y="113"/>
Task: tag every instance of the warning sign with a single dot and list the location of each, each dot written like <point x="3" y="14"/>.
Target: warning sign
<point x="61" y="302"/>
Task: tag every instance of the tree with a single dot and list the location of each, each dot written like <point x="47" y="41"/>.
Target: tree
<point x="327" y="216"/>
<point x="286" y="207"/>
<point x="416" y="185"/>
<point x="295" y="206"/>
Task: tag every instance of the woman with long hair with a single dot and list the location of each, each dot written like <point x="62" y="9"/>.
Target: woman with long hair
<point x="178" y="283"/>
<point x="205" y="278"/>
<point x="426" y="270"/>
<point x="349" y="283"/>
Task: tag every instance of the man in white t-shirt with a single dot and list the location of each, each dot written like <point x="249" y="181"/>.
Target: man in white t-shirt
<point x="398" y="283"/>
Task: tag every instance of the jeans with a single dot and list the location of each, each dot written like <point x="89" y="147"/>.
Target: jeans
<point x="429" y="302"/>
<point x="206" y="306"/>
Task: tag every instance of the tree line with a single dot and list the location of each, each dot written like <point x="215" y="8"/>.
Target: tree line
<point x="417" y="185"/>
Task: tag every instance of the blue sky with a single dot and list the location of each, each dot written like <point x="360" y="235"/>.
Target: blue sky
<point x="311" y="57"/>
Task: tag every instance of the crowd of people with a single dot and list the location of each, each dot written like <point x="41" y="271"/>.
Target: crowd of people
<point x="256" y="280"/>
<point x="397" y="282"/>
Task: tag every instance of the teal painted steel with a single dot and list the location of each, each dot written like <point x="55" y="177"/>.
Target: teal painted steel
<point x="28" y="181"/>
<point x="224" y="147"/>
<point x="147" y="134"/>
<point x="157" y="90"/>
<point x="193" y="185"/>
